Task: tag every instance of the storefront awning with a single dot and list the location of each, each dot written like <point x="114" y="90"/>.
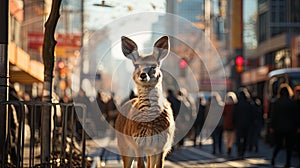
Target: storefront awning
<point x="21" y="68"/>
<point x="255" y="75"/>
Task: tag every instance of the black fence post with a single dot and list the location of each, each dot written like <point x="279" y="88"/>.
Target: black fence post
<point x="3" y="77"/>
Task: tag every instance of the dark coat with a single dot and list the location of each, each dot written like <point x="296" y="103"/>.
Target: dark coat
<point x="175" y="104"/>
<point x="243" y="115"/>
<point x="284" y="115"/>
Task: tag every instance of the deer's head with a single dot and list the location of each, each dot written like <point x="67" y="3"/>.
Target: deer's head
<point x="147" y="68"/>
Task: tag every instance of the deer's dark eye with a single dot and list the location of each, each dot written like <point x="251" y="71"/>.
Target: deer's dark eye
<point x="152" y="71"/>
<point x="152" y="68"/>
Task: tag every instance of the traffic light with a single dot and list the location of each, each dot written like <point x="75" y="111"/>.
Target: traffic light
<point x="239" y="63"/>
<point x="182" y="66"/>
<point x="62" y="69"/>
<point x="61" y="65"/>
<point x="182" y="63"/>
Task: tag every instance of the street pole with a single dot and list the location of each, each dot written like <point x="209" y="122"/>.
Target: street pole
<point x="4" y="81"/>
<point x="236" y="37"/>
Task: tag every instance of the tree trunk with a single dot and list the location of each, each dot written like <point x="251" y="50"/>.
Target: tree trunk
<point x="49" y="59"/>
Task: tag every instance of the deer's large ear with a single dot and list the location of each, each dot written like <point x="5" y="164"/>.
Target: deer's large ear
<point x="129" y="48"/>
<point x="161" y="48"/>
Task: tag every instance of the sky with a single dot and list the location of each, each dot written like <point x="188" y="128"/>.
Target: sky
<point x="99" y="16"/>
<point x="250" y="7"/>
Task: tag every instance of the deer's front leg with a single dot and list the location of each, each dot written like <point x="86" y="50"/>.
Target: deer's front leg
<point x="127" y="161"/>
<point x="156" y="161"/>
<point x="140" y="162"/>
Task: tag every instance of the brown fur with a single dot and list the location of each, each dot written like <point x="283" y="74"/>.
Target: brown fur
<point x="145" y="125"/>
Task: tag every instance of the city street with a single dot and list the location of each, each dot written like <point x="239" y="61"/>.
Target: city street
<point x="73" y="72"/>
<point x="190" y="156"/>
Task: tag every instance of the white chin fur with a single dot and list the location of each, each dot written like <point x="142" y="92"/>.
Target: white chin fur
<point x="144" y="80"/>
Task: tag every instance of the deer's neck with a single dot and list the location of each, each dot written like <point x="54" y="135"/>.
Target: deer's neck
<point x="150" y="98"/>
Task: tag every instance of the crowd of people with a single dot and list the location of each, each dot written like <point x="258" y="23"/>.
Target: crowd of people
<point x="240" y="125"/>
<point x="243" y="119"/>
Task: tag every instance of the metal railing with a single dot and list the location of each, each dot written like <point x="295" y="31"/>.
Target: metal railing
<point x="22" y="147"/>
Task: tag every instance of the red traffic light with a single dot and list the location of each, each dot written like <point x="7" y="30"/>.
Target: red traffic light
<point x="182" y="63"/>
<point x="61" y="65"/>
<point x="239" y="60"/>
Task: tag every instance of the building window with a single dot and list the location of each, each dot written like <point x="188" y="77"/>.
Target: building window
<point x="269" y="59"/>
<point x="282" y="14"/>
<point x="262" y="1"/>
<point x="295" y="14"/>
<point x="273" y="16"/>
<point x="262" y="31"/>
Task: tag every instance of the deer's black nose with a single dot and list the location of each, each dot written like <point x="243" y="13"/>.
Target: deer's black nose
<point x="143" y="75"/>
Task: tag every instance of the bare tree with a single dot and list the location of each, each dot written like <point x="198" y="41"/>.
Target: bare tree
<point x="49" y="59"/>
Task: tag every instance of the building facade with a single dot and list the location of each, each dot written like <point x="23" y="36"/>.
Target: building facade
<point x="278" y="22"/>
<point x="25" y="65"/>
<point x="210" y="17"/>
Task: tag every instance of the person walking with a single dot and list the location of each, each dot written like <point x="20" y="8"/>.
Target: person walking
<point x="188" y="109"/>
<point x="217" y="134"/>
<point x="243" y="118"/>
<point x="297" y="99"/>
<point x="284" y="123"/>
<point x="82" y="98"/>
<point x="228" y="126"/>
<point x="198" y="124"/>
<point x="101" y="104"/>
<point x="101" y="111"/>
<point x="112" y="111"/>
<point x="175" y="105"/>
<point x="255" y="129"/>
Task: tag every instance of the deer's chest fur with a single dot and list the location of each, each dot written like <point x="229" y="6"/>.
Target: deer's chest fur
<point x="150" y="124"/>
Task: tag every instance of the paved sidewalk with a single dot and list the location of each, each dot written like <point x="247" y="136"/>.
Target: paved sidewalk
<point x="189" y="156"/>
<point x="103" y="152"/>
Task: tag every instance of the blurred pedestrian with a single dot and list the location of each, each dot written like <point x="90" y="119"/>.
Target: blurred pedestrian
<point x="243" y="117"/>
<point x="284" y="123"/>
<point x="14" y="122"/>
<point x="254" y="132"/>
<point x="100" y="122"/>
<point x="198" y="124"/>
<point x="175" y="103"/>
<point x="101" y="104"/>
<point x="228" y="126"/>
<point x="217" y="134"/>
<point x="297" y="99"/>
<point x="188" y="109"/>
<point x="81" y="99"/>
<point x="112" y="111"/>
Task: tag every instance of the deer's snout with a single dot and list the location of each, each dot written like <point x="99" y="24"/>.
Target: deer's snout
<point x="143" y="76"/>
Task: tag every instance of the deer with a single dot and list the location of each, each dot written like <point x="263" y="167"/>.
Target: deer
<point x="145" y="125"/>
